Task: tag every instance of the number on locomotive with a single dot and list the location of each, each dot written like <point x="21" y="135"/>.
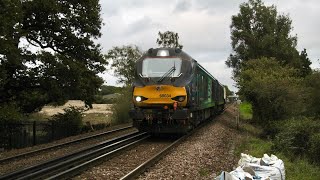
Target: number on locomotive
<point x="165" y="95"/>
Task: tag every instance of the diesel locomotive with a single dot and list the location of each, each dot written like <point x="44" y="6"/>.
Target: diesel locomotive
<point x="173" y="93"/>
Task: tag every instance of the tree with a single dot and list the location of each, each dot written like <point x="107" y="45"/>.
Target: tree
<point x="47" y="52"/>
<point x="258" y="31"/>
<point x="274" y="91"/>
<point x="106" y="90"/>
<point x="228" y="92"/>
<point x="305" y="64"/>
<point x="123" y="60"/>
<point x="169" y="39"/>
<point x="312" y="81"/>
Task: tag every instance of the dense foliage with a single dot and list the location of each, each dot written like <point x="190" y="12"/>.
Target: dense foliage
<point x="9" y="113"/>
<point x="228" y="91"/>
<point x="313" y="84"/>
<point x="122" y="106"/>
<point x="9" y="116"/>
<point x="169" y="39"/>
<point x="259" y="31"/>
<point x="68" y="123"/>
<point x="106" y="90"/>
<point x="48" y="53"/>
<point x="274" y="90"/>
<point x="123" y="60"/>
<point x="299" y="137"/>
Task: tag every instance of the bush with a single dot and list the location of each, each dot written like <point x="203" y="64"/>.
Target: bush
<point x="313" y="83"/>
<point x="245" y="111"/>
<point x="99" y="99"/>
<point x="9" y="115"/>
<point x="314" y="151"/>
<point x="274" y="91"/>
<point x="121" y="107"/>
<point x="297" y="137"/>
<point x="68" y="123"/>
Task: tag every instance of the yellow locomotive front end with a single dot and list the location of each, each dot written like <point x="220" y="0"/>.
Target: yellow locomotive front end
<point x="160" y="109"/>
<point x="162" y="96"/>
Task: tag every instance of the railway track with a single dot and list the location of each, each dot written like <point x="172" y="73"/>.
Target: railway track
<point x="150" y="162"/>
<point x="153" y="160"/>
<point x="34" y="152"/>
<point x="71" y="164"/>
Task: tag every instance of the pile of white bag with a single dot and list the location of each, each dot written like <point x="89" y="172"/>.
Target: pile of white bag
<point x="250" y="168"/>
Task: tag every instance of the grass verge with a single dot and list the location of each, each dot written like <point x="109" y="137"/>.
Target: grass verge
<point x="245" y="111"/>
<point x="251" y="143"/>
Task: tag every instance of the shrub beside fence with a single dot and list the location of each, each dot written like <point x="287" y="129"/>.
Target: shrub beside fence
<point x="28" y="133"/>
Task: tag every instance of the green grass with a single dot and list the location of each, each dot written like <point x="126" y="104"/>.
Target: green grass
<point x="254" y="146"/>
<point x="245" y="111"/>
<point x="204" y="172"/>
<point x="295" y="169"/>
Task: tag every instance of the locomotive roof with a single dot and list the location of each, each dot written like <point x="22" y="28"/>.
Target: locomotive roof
<point x="172" y="52"/>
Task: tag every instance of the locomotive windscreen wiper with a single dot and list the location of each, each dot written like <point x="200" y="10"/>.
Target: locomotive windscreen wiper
<point x="168" y="73"/>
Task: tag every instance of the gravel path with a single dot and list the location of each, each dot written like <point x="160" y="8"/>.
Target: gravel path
<point x="203" y="155"/>
<point x="7" y="167"/>
<point x="120" y="165"/>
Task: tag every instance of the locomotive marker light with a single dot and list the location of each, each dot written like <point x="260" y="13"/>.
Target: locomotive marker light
<point x="163" y="53"/>
<point x="175" y="105"/>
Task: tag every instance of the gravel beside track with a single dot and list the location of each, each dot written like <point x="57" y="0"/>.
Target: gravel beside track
<point x="13" y="165"/>
<point x="203" y="155"/>
<point x="125" y="162"/>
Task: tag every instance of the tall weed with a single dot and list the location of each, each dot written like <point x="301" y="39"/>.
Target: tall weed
<point x="121" y="107"/>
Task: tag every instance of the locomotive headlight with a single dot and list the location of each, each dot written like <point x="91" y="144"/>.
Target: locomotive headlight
<point x="163" y="53"/>
<point x="179" y="98"/>
<point x="138" y="99"/>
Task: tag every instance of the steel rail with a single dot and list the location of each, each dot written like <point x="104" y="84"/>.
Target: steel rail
<point x="54" y="166"/>
<point x="72" y="171"/>
<point x="62" y="144"/>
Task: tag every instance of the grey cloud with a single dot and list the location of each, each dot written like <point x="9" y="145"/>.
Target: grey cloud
<point x="215" y="6"/>
<point x="182" y="6"/>
<point x="113" y="8"/>
<point x="139" y="25"/>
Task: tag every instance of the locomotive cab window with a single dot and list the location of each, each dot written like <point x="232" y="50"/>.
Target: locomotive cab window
<point x="157" y="67"/>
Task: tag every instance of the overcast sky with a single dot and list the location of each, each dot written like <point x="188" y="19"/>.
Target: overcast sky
<point x="203" y="27"/>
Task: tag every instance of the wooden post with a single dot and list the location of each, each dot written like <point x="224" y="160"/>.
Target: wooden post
<point x="10" y="135"/>
<point x="52" y="130"/>
<point x="237" y="110"/>
<point x="34" y="133"/>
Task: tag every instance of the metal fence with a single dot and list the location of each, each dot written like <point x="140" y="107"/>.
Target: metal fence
<point x="23" y="134"/>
